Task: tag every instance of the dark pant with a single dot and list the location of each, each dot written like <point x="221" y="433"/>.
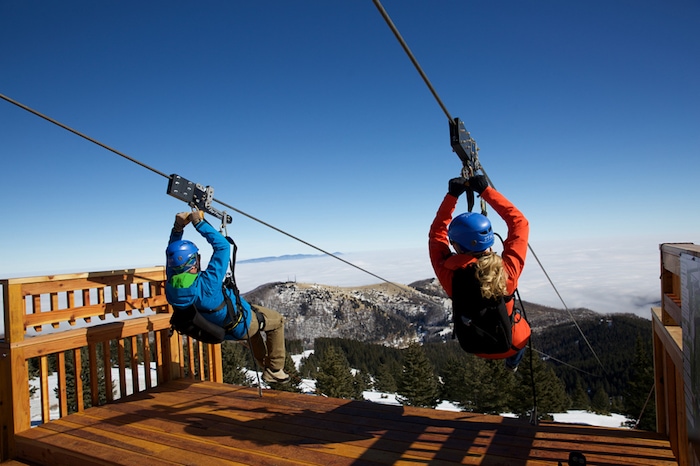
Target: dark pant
<point x="514" y="360"/>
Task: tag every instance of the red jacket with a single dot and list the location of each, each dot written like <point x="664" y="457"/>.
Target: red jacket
<point x="445" y="262"/>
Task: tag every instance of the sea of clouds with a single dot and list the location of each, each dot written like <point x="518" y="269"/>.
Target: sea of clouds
<point x="604" y="276"/>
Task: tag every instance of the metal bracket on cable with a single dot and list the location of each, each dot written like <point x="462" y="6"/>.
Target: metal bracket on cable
<point x="464" y="145"/>
<point x="223" y="230"/>
<point x="196" y="196"/>
<point x="466" y="149"/>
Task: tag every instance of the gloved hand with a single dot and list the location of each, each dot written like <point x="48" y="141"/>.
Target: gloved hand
<point x="478" y="183"/>
<point x="181" y="221"/>
<point x="196" y="216"/>
<point x="457" y="186"/>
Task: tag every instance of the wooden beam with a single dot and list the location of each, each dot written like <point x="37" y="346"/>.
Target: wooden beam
<point x="75" y="338"/>
<point x="48" y="283"/>
<point x="671" y="305"/>
<point x="20" y="390"/>
<point x="671" y="337"/>
<point x="14" y="312"/>
<point x="86" y="312"/>
<point x="660" y="385"/>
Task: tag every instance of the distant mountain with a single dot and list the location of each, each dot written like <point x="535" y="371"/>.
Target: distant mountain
<point x="389" y="314"/>
<point x="287" y="257"/>
<point x="384" y="313"/>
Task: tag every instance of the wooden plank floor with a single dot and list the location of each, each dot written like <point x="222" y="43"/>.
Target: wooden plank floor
<point x="203" y="423"/>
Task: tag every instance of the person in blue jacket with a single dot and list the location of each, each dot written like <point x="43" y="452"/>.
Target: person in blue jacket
<point x="187" y="284"/>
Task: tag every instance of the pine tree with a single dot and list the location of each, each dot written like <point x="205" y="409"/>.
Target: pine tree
<point x="384" y="381"/>
<point x="334" y="377"/>
<point x="362" y="382"/>
<point x="639" y="399"/>
<point x="600" y="402"/>
<point x="475" y="385"/>
<point x="455" y="379"/>
<point x="233" y="360"/>
<point x="486" y="386"/>
<point x="551" y="394"/>
<point x="418" y="385"/>
<point x="308" y="368"/>
<point x="579" y="398"/>
<point x="500" y="383"/>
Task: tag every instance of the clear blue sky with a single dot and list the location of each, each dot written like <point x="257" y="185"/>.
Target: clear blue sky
<point x="309" y="116"/>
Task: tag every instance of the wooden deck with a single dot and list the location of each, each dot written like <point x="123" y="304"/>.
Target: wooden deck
<point x="206" y="423"/>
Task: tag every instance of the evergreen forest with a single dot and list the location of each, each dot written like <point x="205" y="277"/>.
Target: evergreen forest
<point x="605" y="367"/>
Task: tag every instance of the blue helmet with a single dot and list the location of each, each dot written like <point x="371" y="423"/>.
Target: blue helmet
<point x="471" y="231"/>
<point x="181" y="255"/>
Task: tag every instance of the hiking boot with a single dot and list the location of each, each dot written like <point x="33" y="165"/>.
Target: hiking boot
<point x="280" y="376"/>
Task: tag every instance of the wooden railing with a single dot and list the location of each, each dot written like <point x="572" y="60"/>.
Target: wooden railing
<point x="88" y="326"/>
<point x="674" y="325"/>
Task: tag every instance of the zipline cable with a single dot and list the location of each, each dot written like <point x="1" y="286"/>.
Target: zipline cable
<point x="396" y="32"/>
<point x="571" y="315"/>
<point x="78" y="133"/>
<point x="105" y="146"/>
<point x="549" y="356"/>
<point x="413" y="59"/>
<point x="639" y="419"/>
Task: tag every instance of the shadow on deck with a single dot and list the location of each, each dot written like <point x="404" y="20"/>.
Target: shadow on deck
<point x="186" y="422"/>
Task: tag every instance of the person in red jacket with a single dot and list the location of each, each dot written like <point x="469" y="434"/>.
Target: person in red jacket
<point x="472" y="237"/>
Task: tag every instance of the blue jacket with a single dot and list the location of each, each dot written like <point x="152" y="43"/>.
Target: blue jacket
<point x="206" y="290"/>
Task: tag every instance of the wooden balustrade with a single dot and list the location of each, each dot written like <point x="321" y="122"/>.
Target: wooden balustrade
<point x="84" y="326"/>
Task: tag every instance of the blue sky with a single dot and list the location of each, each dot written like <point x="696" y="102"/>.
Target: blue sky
<point x="309" y="116"/>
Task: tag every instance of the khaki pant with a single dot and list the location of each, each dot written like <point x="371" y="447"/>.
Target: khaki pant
<point x="269" y="350"/>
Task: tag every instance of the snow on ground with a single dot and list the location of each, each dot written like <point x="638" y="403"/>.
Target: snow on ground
<point x="35" y="399"/>
<point x="591" y="419"/>
<point x="308" y="386"/>
<point x="569" y="417"/>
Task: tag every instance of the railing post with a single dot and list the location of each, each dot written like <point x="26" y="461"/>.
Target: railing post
<point x="174" y="362"/>
<point x="14" y="376"/>
<point x="6" y="419"/>
<point x="216" y="372"/>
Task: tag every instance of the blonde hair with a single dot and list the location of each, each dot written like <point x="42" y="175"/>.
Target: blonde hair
<point x="491" y="276"/>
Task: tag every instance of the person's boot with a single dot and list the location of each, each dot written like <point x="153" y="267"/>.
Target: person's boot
<point x="271" y="376"/>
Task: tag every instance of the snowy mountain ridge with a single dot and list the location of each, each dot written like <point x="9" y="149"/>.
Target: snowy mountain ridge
<point x="385" y="313"/>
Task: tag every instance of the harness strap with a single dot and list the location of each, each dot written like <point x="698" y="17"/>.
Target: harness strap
<point x="221" y="306"/>
<point x="235" y="314"/>
<point x="230" y="282"/>
<point x="261" y="318"/>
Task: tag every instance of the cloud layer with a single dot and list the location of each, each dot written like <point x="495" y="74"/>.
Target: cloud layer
<point x="604" y="276"/>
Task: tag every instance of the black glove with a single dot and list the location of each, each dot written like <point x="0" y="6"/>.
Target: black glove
<point x="478" y="183"/>
<point x="457" y="186"/>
